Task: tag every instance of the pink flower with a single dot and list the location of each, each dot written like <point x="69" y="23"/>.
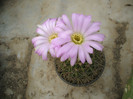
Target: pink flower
<point x="78" y="39"/>
<point x="42" y="43"/>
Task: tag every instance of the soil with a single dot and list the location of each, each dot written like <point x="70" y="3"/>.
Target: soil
<point x="81" y="74"/>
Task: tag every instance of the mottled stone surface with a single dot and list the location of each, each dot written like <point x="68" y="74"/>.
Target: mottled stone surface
<point x="24" y="75"/>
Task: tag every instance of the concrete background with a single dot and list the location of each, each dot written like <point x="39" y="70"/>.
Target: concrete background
<point x="24" y="75"/>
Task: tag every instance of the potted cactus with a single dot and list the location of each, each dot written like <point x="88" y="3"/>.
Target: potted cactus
<point x="79" y="59"/>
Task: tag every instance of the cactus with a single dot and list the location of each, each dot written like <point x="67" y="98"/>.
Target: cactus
<point x="128" y="93"/>
<point x="81" y="74"/>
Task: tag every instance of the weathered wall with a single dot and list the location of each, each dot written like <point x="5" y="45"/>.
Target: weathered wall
<point x="23" y="74"/>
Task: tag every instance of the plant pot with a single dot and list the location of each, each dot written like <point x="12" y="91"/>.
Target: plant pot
<point x="81" y="74"/>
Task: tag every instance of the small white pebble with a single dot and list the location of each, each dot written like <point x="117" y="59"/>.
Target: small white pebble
<point x="8" y="91"/>
<point x="126" y="90"/>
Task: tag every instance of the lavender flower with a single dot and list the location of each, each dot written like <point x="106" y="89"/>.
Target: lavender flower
<point x="42" y="43"/>
<point x="77" y="40"/>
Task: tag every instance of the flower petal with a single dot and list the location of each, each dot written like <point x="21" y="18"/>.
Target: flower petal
<point x="37" y="38"/>
<point x="64" y="57"/>
<point x="64" y="49"/>
<point x="48" y="26"/>
<point x="87" y="48"/>
<point x="39" y="51"/>
<point x="65" y="34"/>
<point x="66" y="21"/>
<point x="80" y="23"/>
<point x="95" y="45"/>
<point x="40" y="42"/>
<point x="58" y="30"/>
<point x="44" y="54"/>
<point x="73" y="60"/>
<point x="96" y="37"/>
<point x="52" y="52"/>
<point x="81" y="54"/>
<point x="93" y="28"/>
<point x="44" y="27"/>
<point x="86" y="24"/>
<point x="56" y="49"/>
<point x="74" y="21"/>
<point x="73" y="51"/>
<point x="51" y="22"/>
<point x="60" y="23"/>
<point x="41" y="32"/>
<point x="59" y="41"/>
<point x="88" y="58"/>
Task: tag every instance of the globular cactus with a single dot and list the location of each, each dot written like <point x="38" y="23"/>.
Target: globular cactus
<point x="128" y="93"/>
<point x="81" y="74"/>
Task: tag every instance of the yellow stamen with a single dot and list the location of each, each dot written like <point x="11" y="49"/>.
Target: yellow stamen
<point x="77" y="38"/>
<point x="53" y="36"/>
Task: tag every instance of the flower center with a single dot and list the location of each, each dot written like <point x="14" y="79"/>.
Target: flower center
<point x="77" y="38"/>
<point x="53" y="36"/>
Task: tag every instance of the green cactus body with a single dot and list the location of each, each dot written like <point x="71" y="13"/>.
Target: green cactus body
<point x="128" y="92"/>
